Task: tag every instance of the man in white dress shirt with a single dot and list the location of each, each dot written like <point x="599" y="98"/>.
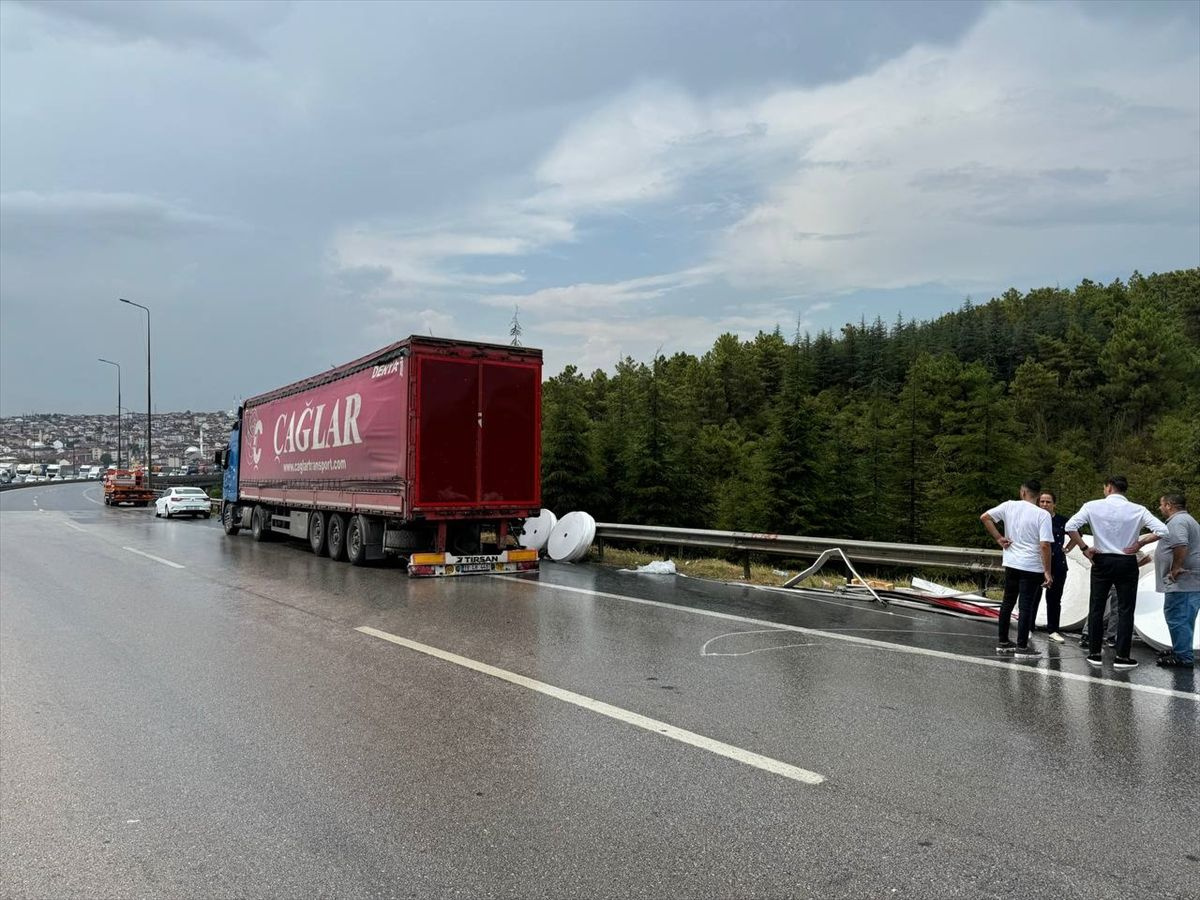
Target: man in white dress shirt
<point x="1028" y="534"/>
<point x="1116" y="525"/>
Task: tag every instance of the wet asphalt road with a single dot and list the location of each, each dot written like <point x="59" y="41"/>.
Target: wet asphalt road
<point x="222" y="729"/>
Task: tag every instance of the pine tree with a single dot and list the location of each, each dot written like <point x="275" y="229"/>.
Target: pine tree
<point x="568" y="475"/>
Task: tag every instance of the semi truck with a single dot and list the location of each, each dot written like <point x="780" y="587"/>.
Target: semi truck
<point x="428" y="450"/>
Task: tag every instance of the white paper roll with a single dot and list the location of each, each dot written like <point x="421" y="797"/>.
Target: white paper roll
<point x="1076" y="592"/>
<point x="1148" y="618"/>
<point x="571" y="537"/>
<point x="536" y="530"/>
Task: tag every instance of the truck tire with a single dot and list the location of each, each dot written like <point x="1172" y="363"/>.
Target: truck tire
<point x="230" y="517"/>
<point x="356" y="541"/>
<point x="260" y="523"/>
<point x="336" y="541"/>
<point x="318" y="533"/>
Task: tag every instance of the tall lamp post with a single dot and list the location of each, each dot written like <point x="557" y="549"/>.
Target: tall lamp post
<point x="118" y="365"/>
<point x="149" y="454"/>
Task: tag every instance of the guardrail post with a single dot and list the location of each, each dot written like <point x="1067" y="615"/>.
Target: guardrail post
<point x="746" y="565"/>
<point x="600" y="549"/>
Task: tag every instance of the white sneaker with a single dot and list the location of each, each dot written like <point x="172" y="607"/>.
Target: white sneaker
<point x="1056" y="637"/>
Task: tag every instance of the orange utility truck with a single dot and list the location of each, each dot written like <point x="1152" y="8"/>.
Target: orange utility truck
<point x="127" y="486"/>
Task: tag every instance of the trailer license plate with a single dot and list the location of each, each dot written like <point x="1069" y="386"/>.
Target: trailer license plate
<point x="476" y="567"/>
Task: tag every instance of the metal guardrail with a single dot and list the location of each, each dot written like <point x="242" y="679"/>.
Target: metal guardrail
<point x="158" y="480"/>
<point x="874" y="552"/>
<point x="18" y="485"/>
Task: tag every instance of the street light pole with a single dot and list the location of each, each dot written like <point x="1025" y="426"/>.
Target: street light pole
<point x="118" y="365"/>
<point x="149" y="453"/>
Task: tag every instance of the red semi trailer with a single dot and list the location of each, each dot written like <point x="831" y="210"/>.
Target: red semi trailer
<point x="428" y="449"/>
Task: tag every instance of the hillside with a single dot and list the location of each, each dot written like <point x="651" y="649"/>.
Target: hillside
<point x="901" y="432"/>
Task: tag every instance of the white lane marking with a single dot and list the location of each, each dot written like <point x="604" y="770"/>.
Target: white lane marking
<point x="76" y="527"/>
<point x="613" y="712"/>
<point x="86" y="496"/>
<point x="869" y="642"/>
<point x="165" y="562"/>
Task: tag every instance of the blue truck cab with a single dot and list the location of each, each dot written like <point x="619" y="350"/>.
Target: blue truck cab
<point x="227" y="459"/>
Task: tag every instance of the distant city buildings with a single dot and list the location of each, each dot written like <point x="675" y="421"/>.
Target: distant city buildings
<point x="75" y="440"/>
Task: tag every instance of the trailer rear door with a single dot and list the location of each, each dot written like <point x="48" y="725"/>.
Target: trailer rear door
<point x="447" y="433"/>
<point x="509" y="434"/>
<point x="478" y="433"/>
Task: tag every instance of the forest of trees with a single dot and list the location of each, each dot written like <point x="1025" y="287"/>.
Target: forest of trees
<point x="901" y="432"/>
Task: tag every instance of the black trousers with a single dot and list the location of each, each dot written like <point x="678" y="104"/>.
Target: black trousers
<point x="1112" y="570"/>
<point x="1054" y="596"/>
<point x="1021" y="590"/>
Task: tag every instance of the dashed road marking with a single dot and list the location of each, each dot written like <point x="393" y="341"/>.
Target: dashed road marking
<point x="76" y="527"/>
<point x="720" y="748"/>
<point x="159" y="559"/>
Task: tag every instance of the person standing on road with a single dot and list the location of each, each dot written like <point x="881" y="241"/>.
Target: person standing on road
<point x="1028" y="534"/>
<point x="1116" y="524"/>
<point x="1177" y="577"/>
<point x="1058" y="566"/>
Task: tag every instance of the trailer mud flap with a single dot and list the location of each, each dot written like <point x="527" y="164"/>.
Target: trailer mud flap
<point x="373" y="536"/>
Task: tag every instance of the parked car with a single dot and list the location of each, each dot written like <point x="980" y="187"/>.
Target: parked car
<point x="183" y="501"/>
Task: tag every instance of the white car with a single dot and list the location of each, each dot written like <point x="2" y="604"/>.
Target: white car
<point x="183" y="501"/>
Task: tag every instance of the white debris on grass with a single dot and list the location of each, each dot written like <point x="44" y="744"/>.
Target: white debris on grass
<point x="658" y="567"/>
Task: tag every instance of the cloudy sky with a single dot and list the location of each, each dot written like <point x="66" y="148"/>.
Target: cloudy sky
<point x="291" y="185"/>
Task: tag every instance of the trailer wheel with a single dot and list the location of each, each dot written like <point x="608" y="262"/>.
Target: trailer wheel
<point x="356" y="541"/>
<point x="318" y="533"/>
<point x="229" y="518"/>
<point x="260" y="523"/>
<point x="336" y="541"/>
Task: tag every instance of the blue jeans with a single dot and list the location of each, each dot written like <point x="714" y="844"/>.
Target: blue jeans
<point x="1180" y="609"/>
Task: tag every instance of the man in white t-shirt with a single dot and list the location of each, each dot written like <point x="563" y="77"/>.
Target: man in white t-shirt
<point x="1028" y="535"/>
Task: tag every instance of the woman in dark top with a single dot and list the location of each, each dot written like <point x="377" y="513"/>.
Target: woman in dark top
<point x="1058" y="566"/>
